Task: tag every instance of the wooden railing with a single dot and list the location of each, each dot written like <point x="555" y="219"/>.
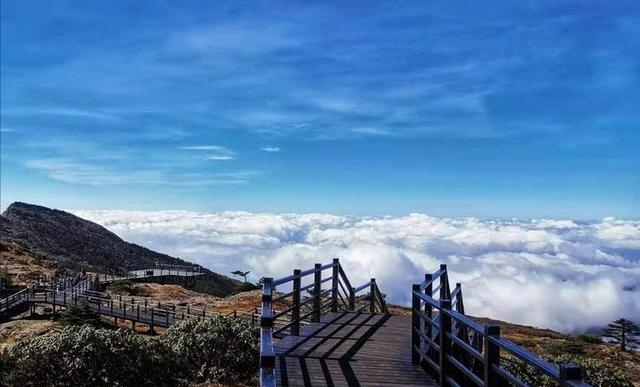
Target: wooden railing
<point x="284" y="313"/>
<point x="460" y="352"/>
<point x="14" y="300"/>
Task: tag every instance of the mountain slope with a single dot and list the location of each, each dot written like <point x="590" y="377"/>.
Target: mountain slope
<point x="75" y="243"/>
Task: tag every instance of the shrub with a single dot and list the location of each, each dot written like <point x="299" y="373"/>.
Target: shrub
<point x="597" y="372"/>
<point x="221" y="349"/>
<point x="573" y="347"/>
<point x="591" y="339"/>
<point x="88" y="357"/>
<point x="80" y="314"/>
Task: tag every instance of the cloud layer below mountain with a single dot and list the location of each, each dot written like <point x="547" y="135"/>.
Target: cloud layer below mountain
<point x="559" y="274"/>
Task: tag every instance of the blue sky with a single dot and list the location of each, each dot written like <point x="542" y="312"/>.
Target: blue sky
<point x="526" y="109"/>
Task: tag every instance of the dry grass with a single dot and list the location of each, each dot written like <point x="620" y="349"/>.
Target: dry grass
<point x="13" y="331"/>
<point x="23" y="266"/>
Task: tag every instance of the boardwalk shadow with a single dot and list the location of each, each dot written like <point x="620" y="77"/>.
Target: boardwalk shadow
<point x="348" y="349"/>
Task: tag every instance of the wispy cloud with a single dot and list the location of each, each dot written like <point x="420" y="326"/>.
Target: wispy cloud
<point x="216" y="148"/>
<point x="91" y="173"/>
<point x="371" y="131"/>
<point x="221" y="157"/>
<point x="97" y="173"/>
<point x="214" y="152"/>
<point x="272" y="149"/>
<point x="7" y="130"/>
<point x="60" y="111"/>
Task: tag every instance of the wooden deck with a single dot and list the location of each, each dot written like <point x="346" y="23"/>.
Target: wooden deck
<point x="350" y="349"/>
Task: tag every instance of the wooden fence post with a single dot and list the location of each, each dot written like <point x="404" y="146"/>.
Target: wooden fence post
<point x="445" y="341"/>
<point x="372" y="294"/>
<point x="491" y="356"/>
<point x="317" y="290"/>
<point x="570" y="373"/>
<point x="415" y="324"/>
<point x="444" y="283"/>
<point x="352" y="299"/>
<point x="428" y="310"/>
<point x="295" y="312"/>
<point x="267" y="355"/>
<point x="334" y="285"/>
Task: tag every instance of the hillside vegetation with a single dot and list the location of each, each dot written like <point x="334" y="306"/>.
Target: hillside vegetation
<point x="36" y="240"/>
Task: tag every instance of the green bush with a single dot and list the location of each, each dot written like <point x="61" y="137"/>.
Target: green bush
<point x="80" y="314"/>
<point x="597" y="372"/>
<point x="221" y="349"/>
<point x="573" y="347"/>
<point x="88" y="357"/>
<point x="591" y="339"/>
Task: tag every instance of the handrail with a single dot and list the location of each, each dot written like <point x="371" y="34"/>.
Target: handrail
<point x="339" y="296"/>
<point x="447" y="350"/>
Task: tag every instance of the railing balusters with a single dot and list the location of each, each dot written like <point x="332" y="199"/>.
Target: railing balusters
<point x="334" y="285"/>
<point x="317" y="289"/>
<point x="295" y="312"/>
<point x="415" y="324"/>
<point x="445" y="342"/>
<point x="491" y="355"/>
<point x="372" y="295"/>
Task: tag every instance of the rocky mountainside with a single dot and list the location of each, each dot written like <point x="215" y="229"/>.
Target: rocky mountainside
<point x="70" y="242"/>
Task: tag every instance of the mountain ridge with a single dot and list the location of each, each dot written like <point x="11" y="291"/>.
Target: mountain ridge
<point x="77" y="244"/>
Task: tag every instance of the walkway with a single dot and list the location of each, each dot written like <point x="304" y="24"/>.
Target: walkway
<point x="350" y="349"/>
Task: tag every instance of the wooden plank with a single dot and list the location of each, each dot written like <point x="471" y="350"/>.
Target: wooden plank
<point x="350" y="349"/>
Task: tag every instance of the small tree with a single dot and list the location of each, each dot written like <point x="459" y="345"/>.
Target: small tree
<point x="242" y="274"/>
<point x="80" y="314"/>
<point x="623" y="331"/>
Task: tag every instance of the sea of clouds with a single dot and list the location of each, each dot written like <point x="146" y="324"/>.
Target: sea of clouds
<point x="559" y="274"/>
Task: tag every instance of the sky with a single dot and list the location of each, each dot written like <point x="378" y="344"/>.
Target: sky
<point x="487" y="109"/>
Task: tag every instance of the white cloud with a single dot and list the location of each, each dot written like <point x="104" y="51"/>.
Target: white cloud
<point x="371" y="131"/>
<point x="214" y="152"/>
<point x="220" y="157"/>
<point x="270" y="149"/>
<point x="547" y="273"/>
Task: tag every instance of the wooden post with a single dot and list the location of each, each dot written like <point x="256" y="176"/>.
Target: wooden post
<point x="444" y="283"/>
<point x="372" y="294"/>
<point x="570" y="373"/>
<point x="491" y="356"/>
<point x="445" y="342"/>
<point x="334" y="285"/>
<point x="295" y="312"/>
<point x="138" y="312"/>
<point x="428" y="310"/>
<point x="352" y="299"/>
<point x="415" y="324"/>
<point x="111" y="302"/>
<point x="317" y="289"/>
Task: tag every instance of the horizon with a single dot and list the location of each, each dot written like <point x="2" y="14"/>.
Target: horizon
<point x="578" y="275"/>
<point x="370" y="214"/>
<point x="487" y="111"/>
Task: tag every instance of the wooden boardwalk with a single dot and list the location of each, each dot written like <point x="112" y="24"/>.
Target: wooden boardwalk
<point x="350" y="349"/>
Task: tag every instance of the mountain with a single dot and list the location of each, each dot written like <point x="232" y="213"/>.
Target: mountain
<point x="70" y="242"/>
